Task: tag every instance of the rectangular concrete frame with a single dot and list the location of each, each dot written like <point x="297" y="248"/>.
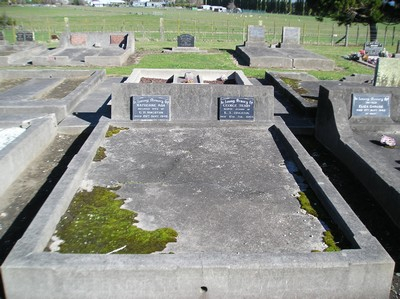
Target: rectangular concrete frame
<point x="363" y="272"/>
<point x="60" y="107"/>
<point x="335" y="129"/>
<point x="17" y="155"/>
<point x="107" y="54"/>
<point x="137" y="74"/>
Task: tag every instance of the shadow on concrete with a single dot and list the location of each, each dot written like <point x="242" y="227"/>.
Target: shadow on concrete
<point x="23" y="220"/>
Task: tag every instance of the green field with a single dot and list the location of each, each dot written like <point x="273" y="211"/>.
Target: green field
<point x="219" y="33"/>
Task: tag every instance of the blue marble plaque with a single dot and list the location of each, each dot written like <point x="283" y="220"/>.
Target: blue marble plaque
<point x="367" y="104"/>
<point x="231" y="108"/>
<point x="151" y="108"/>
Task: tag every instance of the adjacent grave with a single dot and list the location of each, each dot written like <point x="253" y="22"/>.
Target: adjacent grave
<point x="350" y="122"/>
<point x="186" y="43"/>
<point x="89" y="49"/>
<point x="255" y="52"/>
<point x="387" y="72"/>
<point x="35" y="92"/>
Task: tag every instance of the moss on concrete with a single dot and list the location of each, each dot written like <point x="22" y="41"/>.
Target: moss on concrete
<point x="113" y="131"/>
<point x="306" y="205"/>
<point x="95" y="223"/>
<point x="100" y="154"/>
<point x="330" y="241"/>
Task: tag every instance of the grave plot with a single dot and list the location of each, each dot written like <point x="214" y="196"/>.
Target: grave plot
<point x="89" y="49"/>
<point x="205" y="179"/>
<point x="287" y="55"/>
<point x="21" y="52"/>
<point x="37" y="93"/>
<point x="360" y="125"/>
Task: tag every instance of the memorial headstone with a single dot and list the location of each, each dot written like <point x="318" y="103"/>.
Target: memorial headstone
<point x="241" y="108"/>
<point x="367" y="104"/>
<point x="151" y="107"/>
<point x="387" y="72"/>
<point x="185" y="40"/>
<point x="1" y="36"/>
<point x="25" y="36"/>
<point x="373" y="48"/>
<point x="290" y="37"/>
<point x="255" y="35"/>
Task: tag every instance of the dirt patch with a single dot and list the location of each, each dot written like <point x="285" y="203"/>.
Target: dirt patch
<point x="10" y="83"/>
<point x="63" y="89"/>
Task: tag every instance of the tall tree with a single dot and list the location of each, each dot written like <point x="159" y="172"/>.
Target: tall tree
<point x="369" y="12"/>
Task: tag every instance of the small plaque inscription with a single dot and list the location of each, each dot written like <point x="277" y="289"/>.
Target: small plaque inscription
<point x="150" y="107"/>
<point x="236" y="108"/>
<point x="373" y="48"/>
<point x="185" y="40"/>
<point x="25" y="36"/>
<point x="371" y="105"/>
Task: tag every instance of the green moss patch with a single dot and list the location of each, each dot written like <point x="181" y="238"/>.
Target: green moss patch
<point x="295" y="84"/>
<point x="113" y="131"/>
<point x="95" y="223"/>
<point x="100" y="154"/>
<point x="306" y="205"/>
<point x="330" y="241"/>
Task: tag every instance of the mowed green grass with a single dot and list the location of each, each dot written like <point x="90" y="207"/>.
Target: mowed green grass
<point x="219" y="33"/>
<point x="206" y="26"/>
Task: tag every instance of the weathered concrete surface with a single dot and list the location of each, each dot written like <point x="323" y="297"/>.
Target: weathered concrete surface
<point x="31" y="97"/>
<point x="89" y="49"/>
<point x="362" y="272"/>
<point x="287" y="58"/>
<point x="19" y="54"/>
<point x="355" y="141"/>
<point x="387" y="72"/>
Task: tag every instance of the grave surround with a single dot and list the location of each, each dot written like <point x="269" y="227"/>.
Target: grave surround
<point x="362" y="272"/>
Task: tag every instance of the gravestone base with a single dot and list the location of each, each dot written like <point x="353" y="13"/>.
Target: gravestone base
<point x="286" y="58"/>
<point x="187" y="50"/>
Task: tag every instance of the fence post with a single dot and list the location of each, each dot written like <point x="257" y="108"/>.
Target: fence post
<point x="304" y="32"/>
<point x="358" y="34"/>
<point x="333" y="33"/>
<point x="318" y="31"/>
<point x="366" y="36"/>
<point x="394" y="30"/>
<point x="244" y="31"/>
<point x="384" y="38"/>
<point x="346" y="40"/>
<point x="162" y="29"/>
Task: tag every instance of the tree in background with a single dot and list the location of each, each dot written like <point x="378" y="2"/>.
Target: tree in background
<point x="368" y="12"/>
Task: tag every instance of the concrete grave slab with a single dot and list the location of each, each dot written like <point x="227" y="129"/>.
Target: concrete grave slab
<point x="299" y="58"/>
<point x="19" y="54"/>
<point x="355" y="138"/>
<point x="36" y="93"/>
<point x="222" y="236"/>
<point x="387" y="72"/>
<point x="226" y="186"/>
<point x="90" y="49"/>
